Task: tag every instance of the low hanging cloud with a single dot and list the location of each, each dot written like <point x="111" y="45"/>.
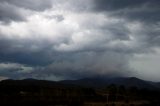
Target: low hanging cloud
<point x="14" y="70"/>
<point x="86" y="64"/>
<point x="68" y="40"/>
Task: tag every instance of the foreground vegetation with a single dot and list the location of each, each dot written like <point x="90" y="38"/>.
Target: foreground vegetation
<point x="46" y="93"/>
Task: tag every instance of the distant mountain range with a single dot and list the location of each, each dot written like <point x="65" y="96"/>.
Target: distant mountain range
<point x="103" y="82"/>
<point x="89" y="82"/>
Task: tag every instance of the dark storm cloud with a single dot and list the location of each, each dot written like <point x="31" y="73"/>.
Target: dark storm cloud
<point x="14" y="70"/>
<point x="152" y="35"/>
<point x="17" y="51"/>
<point x="143" y="10"/>
<point x="85" y="64"/>
<point x="112" y="5"/>
<point x="26" y="58"/>
<point x="75" y="39"/>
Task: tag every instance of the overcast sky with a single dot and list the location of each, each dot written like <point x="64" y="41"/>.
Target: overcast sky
<point x="72" y="39"/>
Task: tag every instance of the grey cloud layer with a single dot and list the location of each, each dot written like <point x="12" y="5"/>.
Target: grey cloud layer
<point x="68" y="39"/>
<point x="9" y="12"/>
<point x="142" y="10"/>
<point x="16" y="10"/>
<point x="37" y="5"/>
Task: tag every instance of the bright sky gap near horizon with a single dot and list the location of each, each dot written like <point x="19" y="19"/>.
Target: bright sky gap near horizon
<point x="72" y="39"/>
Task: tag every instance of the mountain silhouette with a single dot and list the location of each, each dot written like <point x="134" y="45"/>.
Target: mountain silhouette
<point x="103" y="82"/>
<point x="95" y="82"/>
<point x="32" y="92"/>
